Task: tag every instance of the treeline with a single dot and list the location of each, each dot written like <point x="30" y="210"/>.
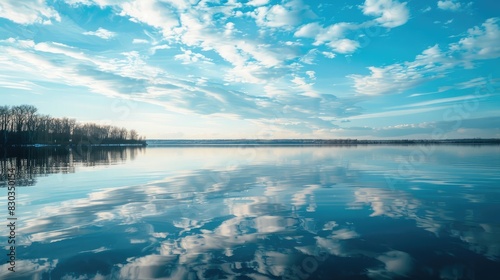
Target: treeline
<point x="22" y="125"/>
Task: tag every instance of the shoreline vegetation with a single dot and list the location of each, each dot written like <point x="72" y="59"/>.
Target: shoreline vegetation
<point x="22" y="126"/>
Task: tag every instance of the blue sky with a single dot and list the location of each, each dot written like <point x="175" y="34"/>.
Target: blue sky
<point x="371" y="69"/>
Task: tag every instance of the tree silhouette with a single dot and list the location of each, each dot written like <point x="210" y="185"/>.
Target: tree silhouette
<point x="22" y="125"/>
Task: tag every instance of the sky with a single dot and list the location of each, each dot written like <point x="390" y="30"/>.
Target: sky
<point x="258" y="69"/>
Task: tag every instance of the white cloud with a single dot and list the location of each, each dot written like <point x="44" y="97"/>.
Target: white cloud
<point x="443" y="100"/>
<point x="257" y="2"/>
<point x="384" y="80"/>
<point x="260" y="53"/>
<point x="128" y="74"/>
<point x="23" y="44"/>
<point x="389" y="13"/>
<point x="140" y="41"/>
<point x="197" y="25"/>
<point x="298" y="81"/>
<point x="396" y="78"/>
<point x="311" y="74"/>
<point x="28" y="11"/>
<point x="448" y="5"/>
<point x="251" y="60"/>
<point x="329" y="55"/>
<point x="159" y="47"/>
<point x="101" y="33"/>
<point x="195" y="28"/>
<point x="56" y="48"/>
<point x="481" y="43"/>
<point x="281" y="16"/>
<point x="188" y="57"/>
<point x="275" y="16"/>
<point x="344" y="46"/>
<point x="152" y="13"/>
<point x="310" y="30"/>
<point x="310" y="56"/>
<point x="41" y="68"/>
<point x="334" y="32"/>
<point x="290" y="43"/>
<point x="333" y="36"/>
<point x="20" y="85"/>
<point x="476" y="82"/>
<point x="129" y="78"/>
<point x="229" y="29"/>
<point x="305" y="88"/>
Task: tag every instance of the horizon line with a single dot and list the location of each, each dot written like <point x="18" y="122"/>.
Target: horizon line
<point x="310" y="139"/>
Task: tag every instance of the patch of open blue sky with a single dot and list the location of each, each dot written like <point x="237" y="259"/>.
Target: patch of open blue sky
<point x="259" y="68"/>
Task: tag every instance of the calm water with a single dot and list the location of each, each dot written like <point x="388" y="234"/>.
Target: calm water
<point x="366" y="212"/>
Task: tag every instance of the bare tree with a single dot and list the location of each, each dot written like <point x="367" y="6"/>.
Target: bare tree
<point x="5" y="119"/>
<point x="133" y="134"/>
<point x="22" y="125"/>
<point x="31" y="118"/>
<point x="18" y="123"/>
<point x="123" y="134"/>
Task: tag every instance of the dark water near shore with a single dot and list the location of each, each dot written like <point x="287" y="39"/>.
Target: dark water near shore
<point x="359" y="212"/>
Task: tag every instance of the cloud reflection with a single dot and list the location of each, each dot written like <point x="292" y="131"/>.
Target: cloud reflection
<point x="262" y="223"/>
<point x="396" y="264"/>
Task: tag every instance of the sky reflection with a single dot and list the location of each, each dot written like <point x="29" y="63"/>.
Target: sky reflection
<point x="286" y="213"/>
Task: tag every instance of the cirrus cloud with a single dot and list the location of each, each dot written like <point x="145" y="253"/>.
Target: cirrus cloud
<point x="101" y="33"/>
<point x="482" y="42"/>
<point x="28" y="12"/>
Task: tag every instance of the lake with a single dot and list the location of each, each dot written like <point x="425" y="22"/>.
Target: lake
<point x="346" y="212"/>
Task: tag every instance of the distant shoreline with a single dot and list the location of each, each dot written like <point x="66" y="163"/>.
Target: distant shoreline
<point x="316" y="142"/>
<point x="269" y="142"/>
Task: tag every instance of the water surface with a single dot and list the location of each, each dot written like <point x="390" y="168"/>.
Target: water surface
<point x="355" y="212"/>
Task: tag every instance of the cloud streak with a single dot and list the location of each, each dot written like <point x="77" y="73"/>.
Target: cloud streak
<point x="28" y="12"/>
<point x="101" y="33"/>
<point x="480" y="43"/>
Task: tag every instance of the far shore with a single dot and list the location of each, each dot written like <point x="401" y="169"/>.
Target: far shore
<point x="268" y="142"/>
<point x="315" y="142"/>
